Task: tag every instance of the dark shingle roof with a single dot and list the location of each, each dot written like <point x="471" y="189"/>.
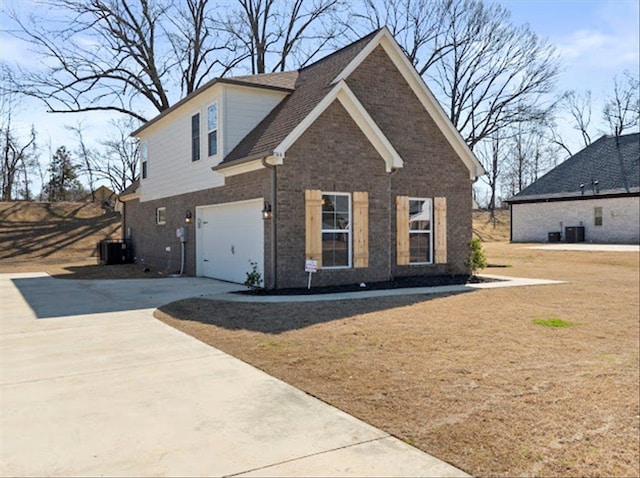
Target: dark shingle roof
<point x="284" y="79"/>
<point x="311" y="86"/>
<point x="613" y="162"/>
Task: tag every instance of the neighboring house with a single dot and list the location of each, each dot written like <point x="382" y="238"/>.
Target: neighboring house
<point x="593" y="196"/>
<point x="351" y="160"/>
<point x="102" y="194"/>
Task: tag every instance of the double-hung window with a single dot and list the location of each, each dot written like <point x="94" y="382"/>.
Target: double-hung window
<point x="336" y="230"/>
<point x="212" y="129"/>
<point x="420" y="231"/>
<point x="195" y="137"/>
<point x="144" y="152"/>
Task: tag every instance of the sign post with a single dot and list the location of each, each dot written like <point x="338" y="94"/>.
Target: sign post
<point x="310" y="266"/>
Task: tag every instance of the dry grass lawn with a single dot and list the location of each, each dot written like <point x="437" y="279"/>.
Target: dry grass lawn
<point x="468" y="378"/>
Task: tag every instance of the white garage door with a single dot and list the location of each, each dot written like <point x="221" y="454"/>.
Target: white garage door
<point x="228" y="238"/>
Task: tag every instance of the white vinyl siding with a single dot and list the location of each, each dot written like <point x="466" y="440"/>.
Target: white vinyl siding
<point x="244" y="109"/>
<point x="169" y="140"/>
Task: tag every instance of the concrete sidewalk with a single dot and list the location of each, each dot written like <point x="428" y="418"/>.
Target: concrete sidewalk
<point x="92" y="384"/>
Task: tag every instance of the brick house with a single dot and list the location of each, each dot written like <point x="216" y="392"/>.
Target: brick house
<point x="593" y="196"/>
<point x="349" y="162"/>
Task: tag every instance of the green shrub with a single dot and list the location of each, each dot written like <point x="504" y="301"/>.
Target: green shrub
<point x="254" y="277"/>
<point x="476" y="260"/>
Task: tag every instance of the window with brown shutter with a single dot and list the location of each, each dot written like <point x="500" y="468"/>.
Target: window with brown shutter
<point x="440" y="220"/>
<point x="313" y="225"/>
<point x="360" y="229"/>
<point x="402" y="233"/>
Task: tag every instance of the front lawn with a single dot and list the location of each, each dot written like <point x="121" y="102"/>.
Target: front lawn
<point x="470" y="378"/>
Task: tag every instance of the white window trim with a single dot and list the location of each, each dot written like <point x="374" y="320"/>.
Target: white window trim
<point x="144" y="160"/>
<point x="596" y="216"/>
<point x="340" y="231"/>
<point x="158" y="221"/>
<point x="217" y="130"/>
<point x="430" y="232"/>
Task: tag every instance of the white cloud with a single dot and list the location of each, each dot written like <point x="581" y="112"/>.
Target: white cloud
<point x="598" y="49"/>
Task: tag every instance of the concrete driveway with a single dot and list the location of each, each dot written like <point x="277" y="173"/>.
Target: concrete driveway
<point x="91" y="384"/>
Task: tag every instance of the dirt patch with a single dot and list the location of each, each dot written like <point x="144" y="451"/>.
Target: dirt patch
<point x="469" y="378"/>
<point x="492" y="229"/>
<point x="54" y="231"/>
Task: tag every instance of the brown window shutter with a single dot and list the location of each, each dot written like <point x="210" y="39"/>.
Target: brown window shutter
<point x="360" y="229"/>
<point x="440" y="220"/>
<point x="402" y="233"/>
<point x="313" y="225"/>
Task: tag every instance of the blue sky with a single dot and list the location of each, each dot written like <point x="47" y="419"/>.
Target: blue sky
<point x="596" y="38"/>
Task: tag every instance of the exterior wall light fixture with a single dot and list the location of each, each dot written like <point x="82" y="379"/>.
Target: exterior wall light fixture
<point x="266" y="210"/>
<point x="188" y="217"/>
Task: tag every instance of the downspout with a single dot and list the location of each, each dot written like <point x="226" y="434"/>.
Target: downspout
<point x="274" y="223"/>
<point x="390" y="215"/>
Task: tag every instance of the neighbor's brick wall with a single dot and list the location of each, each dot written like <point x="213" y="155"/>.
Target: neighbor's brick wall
<point x="150" y="239"/>
<point x="532" y="222"/>
<point x="334" y="155"/>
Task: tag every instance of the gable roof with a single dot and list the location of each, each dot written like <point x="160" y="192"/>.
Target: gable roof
<point x="314" y="87"/>
<point x="610" y="165"/>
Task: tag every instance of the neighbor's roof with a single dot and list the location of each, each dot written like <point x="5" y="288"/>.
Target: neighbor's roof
<point x="311" y="86"/>
<point x="614" y="162"/>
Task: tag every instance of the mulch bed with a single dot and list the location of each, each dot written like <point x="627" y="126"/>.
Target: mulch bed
<point x="396" y="283"/>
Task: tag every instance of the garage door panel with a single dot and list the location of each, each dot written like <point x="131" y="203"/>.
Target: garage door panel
<point x="230" y="237"/>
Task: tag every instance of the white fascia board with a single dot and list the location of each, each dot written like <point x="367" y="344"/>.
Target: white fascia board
<point x="358" y="113"/>
<point x="421" y="90"/>
<point x="244" y="167"/>
<point x="129" y="197"/>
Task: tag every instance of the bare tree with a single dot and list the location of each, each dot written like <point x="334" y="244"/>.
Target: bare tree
<point x="579" y="106"/>
<point x="495" y="75"/>
<point x="486" y="72"/>
<point x="273" y="34"/>
<point x="17" y="156"/>
<point x="417" y="25"/>
<point x="117" y="55"/>
<point x="118" y="163"/>
<point x="490" y="153"/>
<point x="622" y="108"/>
<point x="86" y="156"/>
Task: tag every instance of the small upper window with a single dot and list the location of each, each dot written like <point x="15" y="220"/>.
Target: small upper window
<point x="195" y="137"/>
<point x="597" y="216"/>
<point x="336" y="230"/>
<point x="420" y="237"/>
<point x="161" y="215"/>
<point x="143" y="159"/>
<point x="212" y="129"/>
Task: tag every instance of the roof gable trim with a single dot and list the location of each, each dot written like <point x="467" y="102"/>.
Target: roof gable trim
<point x="421" y="90"/>
<point x="358" y="113"/>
